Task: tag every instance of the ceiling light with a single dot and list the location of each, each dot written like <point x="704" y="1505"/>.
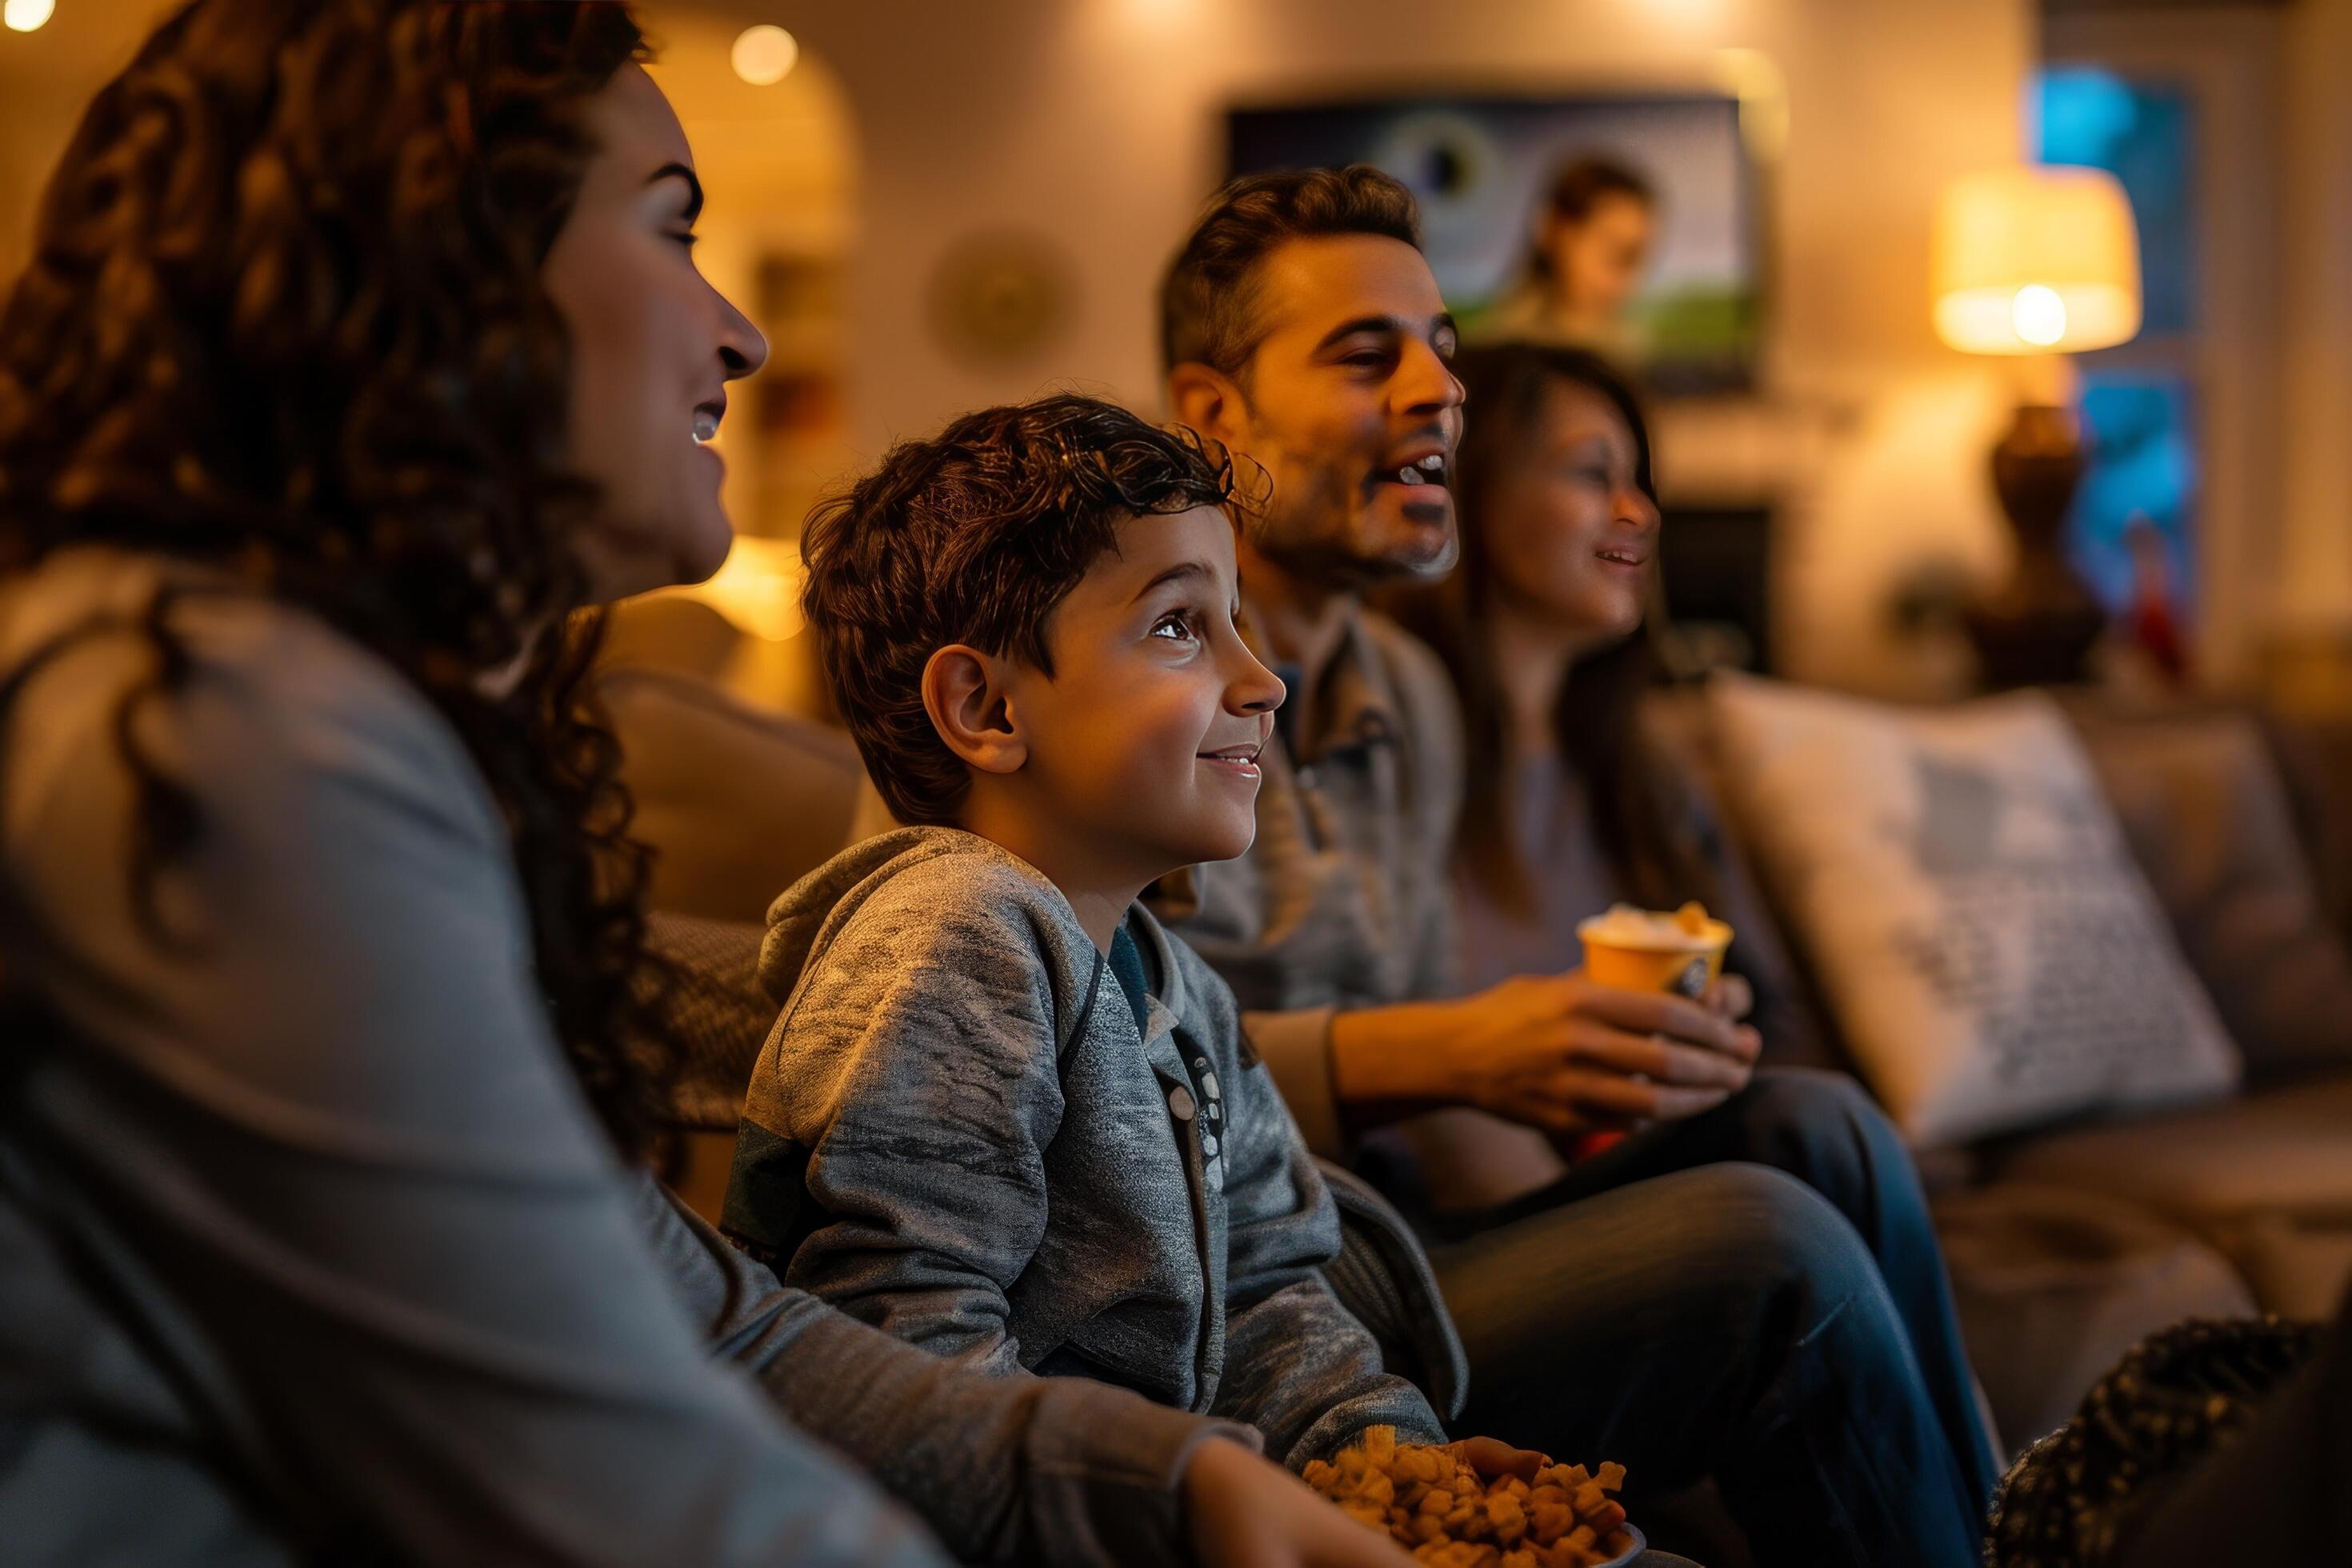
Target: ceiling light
<point x="23" y="16"/>
<point x="762" y="55"/>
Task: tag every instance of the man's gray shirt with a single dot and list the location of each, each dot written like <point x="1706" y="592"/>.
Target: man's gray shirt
<point x="1344" y="899"/>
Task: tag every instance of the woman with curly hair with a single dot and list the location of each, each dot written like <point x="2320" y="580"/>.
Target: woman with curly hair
<point x="361" y="352"/>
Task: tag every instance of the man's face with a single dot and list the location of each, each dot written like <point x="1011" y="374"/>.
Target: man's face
<point x="1351" y="406"/>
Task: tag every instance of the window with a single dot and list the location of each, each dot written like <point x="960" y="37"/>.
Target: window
<point x="2135" y="519"/>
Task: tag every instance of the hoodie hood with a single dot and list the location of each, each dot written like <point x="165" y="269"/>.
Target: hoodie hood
<point x="803" y="920"/>
<point x="806" y="913"/>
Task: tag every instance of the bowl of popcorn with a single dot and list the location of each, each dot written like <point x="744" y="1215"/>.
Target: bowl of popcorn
<point x="1448" y="1515"/>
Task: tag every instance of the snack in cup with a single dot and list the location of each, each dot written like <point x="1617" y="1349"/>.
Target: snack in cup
<point x="1641" y="950"/>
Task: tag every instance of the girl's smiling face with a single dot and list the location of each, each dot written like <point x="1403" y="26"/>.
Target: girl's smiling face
<point x="1570" y="534"/>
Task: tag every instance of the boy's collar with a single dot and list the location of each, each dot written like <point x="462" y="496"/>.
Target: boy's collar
<point x="1169" y="996"/>
<point x="1151" y="936"/>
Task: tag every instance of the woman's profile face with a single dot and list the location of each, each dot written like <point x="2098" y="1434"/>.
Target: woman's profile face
<point x="653" y="348"/>
<point x="1569" y="534"/>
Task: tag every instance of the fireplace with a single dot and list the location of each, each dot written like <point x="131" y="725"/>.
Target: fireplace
<point x="1715" y="563"/>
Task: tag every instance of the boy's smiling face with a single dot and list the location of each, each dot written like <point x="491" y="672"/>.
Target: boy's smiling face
<point x="1141" y="747"/>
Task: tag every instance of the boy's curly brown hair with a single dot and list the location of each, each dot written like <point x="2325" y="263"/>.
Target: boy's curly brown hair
<point x="973" y="537"/>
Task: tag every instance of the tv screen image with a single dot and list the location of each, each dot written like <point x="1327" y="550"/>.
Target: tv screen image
<point x="1480" y="166"/>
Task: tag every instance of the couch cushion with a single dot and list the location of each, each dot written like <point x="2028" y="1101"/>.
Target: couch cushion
<point x="717" y="1012"/>
<point x="1993" y="954"/>
<point x="2267" y="1179"/>
<point x="2207" y="815"/>
<point x="2054" y="1284"/>
<point x="2314" y="758"/>
<point x="1680" y="742"/>
<point x="739" y="803"/>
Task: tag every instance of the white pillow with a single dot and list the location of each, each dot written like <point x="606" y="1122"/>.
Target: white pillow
<point x="1993" y="954"/>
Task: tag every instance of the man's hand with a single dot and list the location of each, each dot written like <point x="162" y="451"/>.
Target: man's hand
<point x="1555" y="1052"/>
<point x="1244" y="1511"/>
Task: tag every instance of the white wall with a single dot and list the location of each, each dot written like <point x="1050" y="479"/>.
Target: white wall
<point x="2315" y="554"/>
<point x="1096" y="123"/>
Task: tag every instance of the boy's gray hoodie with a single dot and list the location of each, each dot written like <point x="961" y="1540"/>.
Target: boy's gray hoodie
<point x="956" y="1132"/>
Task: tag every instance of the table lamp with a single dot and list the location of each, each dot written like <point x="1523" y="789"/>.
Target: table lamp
<point x="2036" y="262"/>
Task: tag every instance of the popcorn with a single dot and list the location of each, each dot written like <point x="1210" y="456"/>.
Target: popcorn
<point x="1449" y="1517"/>
<point x="1690" y="927"/>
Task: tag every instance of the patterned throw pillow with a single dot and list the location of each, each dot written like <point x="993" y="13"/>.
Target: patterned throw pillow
<point x="1994" y="955"/>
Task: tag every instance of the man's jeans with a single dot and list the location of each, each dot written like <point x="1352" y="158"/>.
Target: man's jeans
<point x="1755" y="1294"/>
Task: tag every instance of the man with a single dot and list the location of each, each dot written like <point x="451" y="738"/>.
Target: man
<point x="1672" y="1304"/>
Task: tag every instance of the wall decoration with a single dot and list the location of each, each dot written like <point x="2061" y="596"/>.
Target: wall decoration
<point x="1000" y="297"/>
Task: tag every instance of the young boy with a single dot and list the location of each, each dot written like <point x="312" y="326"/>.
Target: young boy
<point x="1002" y="1114"/>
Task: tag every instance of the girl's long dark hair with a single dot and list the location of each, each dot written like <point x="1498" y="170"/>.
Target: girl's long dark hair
<point x="283" y="315"/>
<point x="1511" y="387"/>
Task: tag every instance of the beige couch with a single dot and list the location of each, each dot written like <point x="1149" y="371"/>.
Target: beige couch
<point x="2070" y="1243"/>
<point x="2066" y="1245"/>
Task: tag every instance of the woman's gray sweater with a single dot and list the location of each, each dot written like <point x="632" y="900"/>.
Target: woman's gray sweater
<point x="309" y="1242"/>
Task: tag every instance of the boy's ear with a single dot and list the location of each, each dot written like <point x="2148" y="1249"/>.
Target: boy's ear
<point x="964" y="693"/>
<point x="1209" y="401"/>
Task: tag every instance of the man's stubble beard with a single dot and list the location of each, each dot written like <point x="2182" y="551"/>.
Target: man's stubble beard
<point x="1313" y="538"/>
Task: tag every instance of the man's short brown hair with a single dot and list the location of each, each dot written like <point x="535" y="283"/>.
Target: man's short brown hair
<point x="974" y="537"/>
<point x="1208" y="302"/>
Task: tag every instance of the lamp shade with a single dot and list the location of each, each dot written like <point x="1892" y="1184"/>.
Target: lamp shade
<point x="2037" y="260"/>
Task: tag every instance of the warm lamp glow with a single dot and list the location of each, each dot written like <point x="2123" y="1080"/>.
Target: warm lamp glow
<point x="23" y="16"/>
<point x="757" y="589"/>
<point x="2036" y="261"/>
<point x="765" y="55"/>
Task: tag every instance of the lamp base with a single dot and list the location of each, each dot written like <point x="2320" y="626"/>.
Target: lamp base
<point x="2039" y="628"/>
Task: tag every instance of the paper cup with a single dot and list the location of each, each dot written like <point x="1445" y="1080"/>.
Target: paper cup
<point x="1686" y="967"/>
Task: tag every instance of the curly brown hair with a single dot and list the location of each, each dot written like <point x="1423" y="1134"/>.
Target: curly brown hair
<point x="283" y="315"/>
<point x="973" y="537"/>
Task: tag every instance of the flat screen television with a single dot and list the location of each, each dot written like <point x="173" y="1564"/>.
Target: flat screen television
<point x="1479" y="165"/>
